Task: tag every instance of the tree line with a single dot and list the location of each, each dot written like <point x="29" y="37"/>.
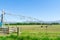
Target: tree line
<point x="33" y="23"/>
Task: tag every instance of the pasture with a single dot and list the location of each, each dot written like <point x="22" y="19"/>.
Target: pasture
<point x="52" y="30"/>
<point x="38" y="28"/>
<point x="36" y="32"/>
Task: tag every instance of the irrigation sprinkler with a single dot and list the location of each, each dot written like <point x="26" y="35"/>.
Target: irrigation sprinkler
<point x="20" y="16"/>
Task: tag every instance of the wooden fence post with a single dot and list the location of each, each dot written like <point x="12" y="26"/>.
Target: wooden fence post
<point x="17" y="31"/>
<point x="8" y="30"/>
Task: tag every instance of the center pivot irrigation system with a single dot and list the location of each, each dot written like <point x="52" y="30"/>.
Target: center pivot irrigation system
<point x="7" y="29"/>
<point x="20" y="16"/>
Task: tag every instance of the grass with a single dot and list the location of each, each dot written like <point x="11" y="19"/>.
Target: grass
<point x="35" y="32"/>
<point x="26" y="36"/>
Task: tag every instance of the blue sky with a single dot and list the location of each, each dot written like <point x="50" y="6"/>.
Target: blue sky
<point x="46" y="10"/>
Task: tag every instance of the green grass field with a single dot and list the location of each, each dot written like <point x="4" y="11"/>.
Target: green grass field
<point x="37" y="28"/>
<point x="35" y="32"/>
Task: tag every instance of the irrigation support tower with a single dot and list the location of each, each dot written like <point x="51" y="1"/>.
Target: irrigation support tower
<point x="2" y="18"/>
